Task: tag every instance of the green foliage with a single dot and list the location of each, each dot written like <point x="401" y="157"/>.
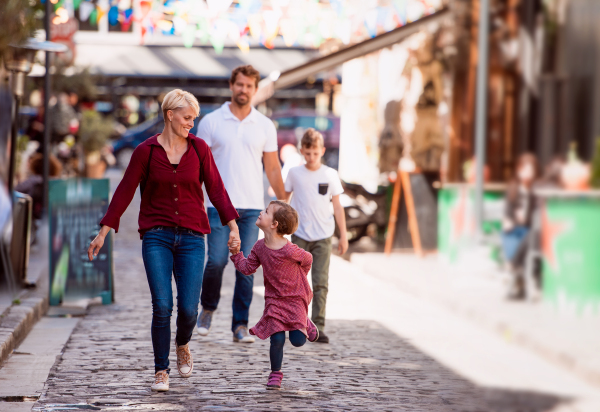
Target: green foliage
<point x="94" y="131"/>
<point x="17" y="22"/>
<point x="595" y="178"/>
<point x="82" y="83"/>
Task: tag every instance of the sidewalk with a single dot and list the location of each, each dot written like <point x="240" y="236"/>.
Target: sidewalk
<point x="475" y="290"/>
<point x="18" y="313"/>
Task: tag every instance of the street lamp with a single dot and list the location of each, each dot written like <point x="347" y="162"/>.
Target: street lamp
<point x="19" y="61"/>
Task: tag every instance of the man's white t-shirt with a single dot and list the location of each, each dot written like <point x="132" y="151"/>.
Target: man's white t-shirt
<point x="312" y="198"/>
<point x="237" y="147"/>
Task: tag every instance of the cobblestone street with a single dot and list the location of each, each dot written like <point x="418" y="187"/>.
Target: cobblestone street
<point x="107" y="364"/>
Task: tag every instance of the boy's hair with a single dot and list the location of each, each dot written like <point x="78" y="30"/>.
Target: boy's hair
<point x="312" y="138"/>
<point x="247" y="71"/>
<point x="286" y="218"/>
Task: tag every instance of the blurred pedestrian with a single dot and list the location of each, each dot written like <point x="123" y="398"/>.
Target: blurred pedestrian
<point x="34" y="184"/>
<point x="315" y="186"/>
<point x="287" y="292"/>
<point x="239" y="137"/>
<point x="516" y="224"/>
<point x="170" y="168"/>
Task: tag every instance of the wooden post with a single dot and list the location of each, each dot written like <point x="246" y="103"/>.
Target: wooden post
<point x="395" y="207"/>
<point x="413" y="224"/>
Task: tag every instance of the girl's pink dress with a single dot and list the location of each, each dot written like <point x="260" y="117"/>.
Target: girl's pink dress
<point x="287" y="292"/>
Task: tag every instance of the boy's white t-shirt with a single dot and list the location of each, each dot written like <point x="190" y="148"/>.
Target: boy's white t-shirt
<point x="311" y="199"/>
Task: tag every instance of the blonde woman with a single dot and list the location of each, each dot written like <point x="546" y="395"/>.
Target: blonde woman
<point x="170" y="169"/>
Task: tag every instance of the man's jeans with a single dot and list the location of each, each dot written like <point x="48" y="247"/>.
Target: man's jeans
<point x="321" y="253"/>
<point x="218" y="256"/>
<point x="171" y="251"/>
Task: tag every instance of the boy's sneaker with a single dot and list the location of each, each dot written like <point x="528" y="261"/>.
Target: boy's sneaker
<point x="204" y="322"/>
<point x="312" y="330"/>
<point x="323" y="338"/>
<point x="185" y="363"/>
<point x="241" y="335"/>
<point x="274" y="381"/>
<point x="161" y="382"/>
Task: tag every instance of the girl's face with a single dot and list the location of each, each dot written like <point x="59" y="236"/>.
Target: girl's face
<point x="265" y="219"/>
<point x="526" y="173"/>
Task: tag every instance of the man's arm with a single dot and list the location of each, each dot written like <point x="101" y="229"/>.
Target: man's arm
<point x="273" y="171"/>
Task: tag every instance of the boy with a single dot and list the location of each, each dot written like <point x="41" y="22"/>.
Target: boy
<point x="314" y="186"/>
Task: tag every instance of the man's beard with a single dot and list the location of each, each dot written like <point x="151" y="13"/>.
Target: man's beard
<point x="239" y="99"/>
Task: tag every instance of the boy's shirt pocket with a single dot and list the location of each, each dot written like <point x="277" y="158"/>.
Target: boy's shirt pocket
<point x="323" y="188"/>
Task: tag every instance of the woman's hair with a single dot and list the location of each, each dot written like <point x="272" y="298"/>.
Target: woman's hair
<point x="179" y="98"/>
<point x="523" y="159"/>
<point x="528" y="158"/>
<point x="312" y="138"/>
<point x="247" y="71"/>
<point x="286" y="217"/>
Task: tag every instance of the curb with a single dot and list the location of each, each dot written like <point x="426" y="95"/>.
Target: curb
<point x="18" y="320"/>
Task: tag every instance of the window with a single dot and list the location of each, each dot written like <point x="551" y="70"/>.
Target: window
<point x="319" y="123"/>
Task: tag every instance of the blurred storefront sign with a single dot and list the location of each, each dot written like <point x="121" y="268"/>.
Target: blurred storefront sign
<point x="63" y="31"/>
<point x="571" y="262"/>
<point x="75" y="208"/>
<point x="456" y="218"/>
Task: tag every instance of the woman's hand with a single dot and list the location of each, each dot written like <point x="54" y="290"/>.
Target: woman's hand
<point x="234" y="242"/>
<point x="97" y="243"/>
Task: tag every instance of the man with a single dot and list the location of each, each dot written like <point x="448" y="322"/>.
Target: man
<point x="239" y="137"/>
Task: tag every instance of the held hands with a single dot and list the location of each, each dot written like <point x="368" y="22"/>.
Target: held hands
<point x="234" y="243"/>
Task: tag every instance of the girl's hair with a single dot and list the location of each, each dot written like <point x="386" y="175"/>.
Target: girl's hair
<point x="179" y="98"/>
<point x="286" y="217"/>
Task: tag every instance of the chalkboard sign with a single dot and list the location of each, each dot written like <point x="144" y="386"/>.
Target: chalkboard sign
<point x="75" y="208"/>
<point x="424" y="196"/>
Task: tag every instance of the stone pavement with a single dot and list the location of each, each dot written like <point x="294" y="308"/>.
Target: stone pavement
<point x="385" y="365"/>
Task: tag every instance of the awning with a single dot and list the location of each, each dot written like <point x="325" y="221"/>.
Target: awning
<point x="195" y="62"/>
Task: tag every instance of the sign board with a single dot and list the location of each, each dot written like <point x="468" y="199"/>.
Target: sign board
<point x="63" y="33"/>
<point x="75" y="209"/>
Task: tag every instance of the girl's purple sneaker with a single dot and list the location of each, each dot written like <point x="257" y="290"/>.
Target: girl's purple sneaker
<point x="312" y="330"/>
<point x="275" y="380"/>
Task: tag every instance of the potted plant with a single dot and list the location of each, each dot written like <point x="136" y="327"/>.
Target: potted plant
<point x="94" y="132"/>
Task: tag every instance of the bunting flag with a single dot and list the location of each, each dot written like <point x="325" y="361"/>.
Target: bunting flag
<point x="296" y="23"/>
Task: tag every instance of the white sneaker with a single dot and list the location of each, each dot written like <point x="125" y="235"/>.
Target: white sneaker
<point x="185" y="363"/>
<point x="241" y="335"/>
<point x="161" y="382"/>
<point x="204" y="322"/>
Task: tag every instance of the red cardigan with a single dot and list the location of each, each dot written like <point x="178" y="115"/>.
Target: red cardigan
<point x="172" y="197"/>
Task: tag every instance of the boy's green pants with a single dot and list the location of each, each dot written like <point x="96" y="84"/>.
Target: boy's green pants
<point x="321" y="253"/>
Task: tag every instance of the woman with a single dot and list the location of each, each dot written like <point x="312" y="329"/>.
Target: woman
<point x="520" y="204"/>
<point x="170" y="169"/>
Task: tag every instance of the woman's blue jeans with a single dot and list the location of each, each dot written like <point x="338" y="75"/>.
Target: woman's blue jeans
<point x="511" y="241"/>
<point x="174" y="251"/>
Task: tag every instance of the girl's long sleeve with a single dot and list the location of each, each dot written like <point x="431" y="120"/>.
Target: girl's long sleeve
<point x="247" y="266"/>
<point x="303" y="257"/>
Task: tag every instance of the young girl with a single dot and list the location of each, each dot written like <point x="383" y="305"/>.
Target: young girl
<point x="287" y="292"/>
